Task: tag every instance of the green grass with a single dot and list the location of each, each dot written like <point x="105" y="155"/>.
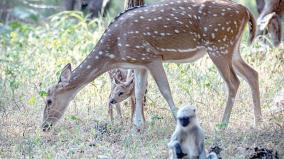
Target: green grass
<point x="32" y="57"/>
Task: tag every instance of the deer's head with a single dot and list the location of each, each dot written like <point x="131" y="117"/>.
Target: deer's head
<point x="121" y="90"/>
<point x="57" y="100"/>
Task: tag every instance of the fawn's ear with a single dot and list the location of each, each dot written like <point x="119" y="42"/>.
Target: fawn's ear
<point x="116" y="81"/>
<point x="129" y="81"/>
<point x="65" y="75"/>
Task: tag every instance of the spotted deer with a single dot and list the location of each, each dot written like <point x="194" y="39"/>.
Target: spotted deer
<point x="172" y="31"/>
<point x="122" y="87"/>
<point x="269" y="18"/>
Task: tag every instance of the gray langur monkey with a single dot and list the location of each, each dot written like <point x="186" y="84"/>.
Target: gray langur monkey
<point x="187" y="141"/>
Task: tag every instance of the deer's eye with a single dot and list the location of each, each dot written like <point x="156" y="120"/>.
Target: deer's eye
<point x="49" y="102"/>
<point x="120" y="93"/>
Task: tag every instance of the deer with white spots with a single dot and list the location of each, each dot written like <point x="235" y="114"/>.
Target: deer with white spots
<point x="122" y="87"/>
<point x="177" y="31"/>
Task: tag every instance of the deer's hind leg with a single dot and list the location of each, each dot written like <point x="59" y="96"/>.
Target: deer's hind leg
<point x="159" y="75"/>
<point x="251" y="77"/>
<point x="225" y="68"/>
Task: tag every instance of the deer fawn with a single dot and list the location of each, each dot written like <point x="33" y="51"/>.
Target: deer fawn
<point x="270" y="14"/>
<point x="122" y="87"/>
<point x="177" y="31"/>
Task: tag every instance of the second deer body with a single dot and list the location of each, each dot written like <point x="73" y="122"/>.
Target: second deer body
<point x="177" y="31"/>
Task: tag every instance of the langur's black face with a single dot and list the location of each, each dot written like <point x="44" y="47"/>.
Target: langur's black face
<point x="184" y="121"/>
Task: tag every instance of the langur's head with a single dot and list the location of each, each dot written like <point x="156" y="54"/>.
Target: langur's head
<point x="186" y="116"/>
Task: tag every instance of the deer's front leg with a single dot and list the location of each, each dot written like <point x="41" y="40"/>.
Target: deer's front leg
<point x="158" y="73"/>
<point x="140" y="87"/>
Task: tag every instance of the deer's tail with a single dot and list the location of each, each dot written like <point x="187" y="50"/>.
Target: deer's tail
<point x="252" y="27"/>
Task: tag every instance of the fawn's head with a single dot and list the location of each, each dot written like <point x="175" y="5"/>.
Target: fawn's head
<point x="121" y="90"/>
<point x="57" y="99"/>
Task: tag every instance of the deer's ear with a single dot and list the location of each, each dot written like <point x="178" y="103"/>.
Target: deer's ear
<point x="65" y="75"/>
<point x="266" y="20"/>
<point x="116" y="81"/>
<point x="129" y="81"/>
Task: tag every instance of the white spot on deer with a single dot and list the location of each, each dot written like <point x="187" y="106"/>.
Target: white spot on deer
<point x="100" y="52"/>
<point x="225" y="38"/>
<point x="168" y="19"/>
<point x="148" y="33"/>
<point x="160" y="18"/>
<point x="176" y="31"/>
<point x="162" y="34"/>
<point x="215" y="15"/>
<point x="216" y="29"/>
<point x="205" y="29"/>
<point x="156" y="32"/>
<point x="179" y="22"/>
<point x="228" y="29"/>
<point x="111" y="56"/>
<point x="137" y="32"/>
<point x="127" y="45"/>
<point x="89" y="66"/>
<point x="165" y="26"/>
<point x="213" y="35"/>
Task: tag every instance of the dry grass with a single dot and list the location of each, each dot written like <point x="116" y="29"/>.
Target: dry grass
<point x="85" y="132"/>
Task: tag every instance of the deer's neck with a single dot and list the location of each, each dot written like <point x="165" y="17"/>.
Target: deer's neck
<point x="95" y="64"/>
